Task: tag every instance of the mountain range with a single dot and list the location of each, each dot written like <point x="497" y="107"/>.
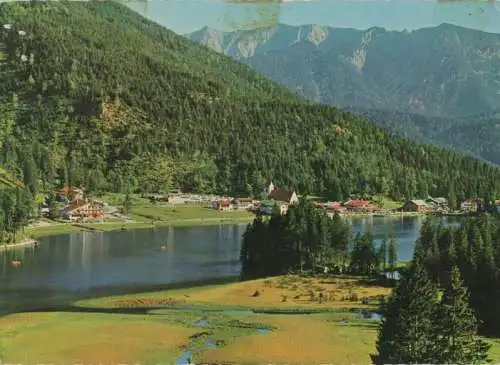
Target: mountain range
<point x="93" y="94"/>
<point x="439" y="84"/>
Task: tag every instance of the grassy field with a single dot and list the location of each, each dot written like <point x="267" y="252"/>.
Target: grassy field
<point x="284" y="292"/>
<point x="386" y="203"/>
<point x="145" y="215"/>
<point x="69" y="338"/>
<point x="275" y="332"/>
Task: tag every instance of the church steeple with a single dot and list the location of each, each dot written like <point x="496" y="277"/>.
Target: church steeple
<point x="270" y="188"/>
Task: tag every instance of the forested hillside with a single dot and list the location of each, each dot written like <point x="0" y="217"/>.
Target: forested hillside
<point x="474" y="135"/>
<point x="94" y="94"/>
<point x="437" y="84"/>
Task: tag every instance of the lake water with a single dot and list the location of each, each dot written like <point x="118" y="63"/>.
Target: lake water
<point x="108" y="261"/>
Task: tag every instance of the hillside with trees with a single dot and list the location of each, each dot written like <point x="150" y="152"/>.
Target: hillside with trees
<point x="93" y="94"/>
<point x="473" y="135"/>
<point x="435" y="85"/>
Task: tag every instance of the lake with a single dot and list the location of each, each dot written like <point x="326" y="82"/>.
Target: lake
<point x="108" y="261"/>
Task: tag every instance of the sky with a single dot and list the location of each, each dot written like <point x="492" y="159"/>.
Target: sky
<point x="185" y="16"/>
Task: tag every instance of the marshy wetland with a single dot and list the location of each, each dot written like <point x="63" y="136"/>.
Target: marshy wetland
<point x="117" y="297"/>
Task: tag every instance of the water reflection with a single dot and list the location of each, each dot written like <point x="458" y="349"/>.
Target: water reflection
<point x="88" y="260"/>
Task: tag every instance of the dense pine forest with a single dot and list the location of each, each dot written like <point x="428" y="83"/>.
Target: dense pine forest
<point x="427" y="324"/>
<point x="449" y="294"/>
<point x="93" y="94"/>
<point x="303" y="239"/>
<point x="474" y="248"/>
<point x="306" y="239"/>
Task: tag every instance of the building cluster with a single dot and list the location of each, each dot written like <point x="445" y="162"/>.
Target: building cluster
<point x="440" y="205"/>
<point x="75" y="206"/>
<point x="429" y="205"/>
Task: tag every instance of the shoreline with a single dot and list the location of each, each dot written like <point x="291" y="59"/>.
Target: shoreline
<point x="26" y="242"/>
<point x="66" y="228"/>
<point x="58" y="228"/>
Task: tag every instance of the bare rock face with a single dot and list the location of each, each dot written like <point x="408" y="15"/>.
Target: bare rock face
<point x="432" y="71"/>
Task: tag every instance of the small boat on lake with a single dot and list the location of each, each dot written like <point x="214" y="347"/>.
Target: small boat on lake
<point x="15" y="263"/>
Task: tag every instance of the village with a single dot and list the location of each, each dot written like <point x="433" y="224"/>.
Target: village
<point x="74" y="206"/>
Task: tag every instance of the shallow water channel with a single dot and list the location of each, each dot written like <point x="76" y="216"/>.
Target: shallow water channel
<point x="186" y="356"/>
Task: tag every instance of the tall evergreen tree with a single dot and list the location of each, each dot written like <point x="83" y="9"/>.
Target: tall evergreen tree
<point x="392" y="253"/>
<point x="382" y="253"/>
<point x="406" y="332"/>
<point x="456" y="331"/>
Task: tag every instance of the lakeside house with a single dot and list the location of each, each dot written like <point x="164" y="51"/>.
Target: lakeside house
<point x="267" y="207"/>
<point x="273" y="196"/>
<point x="360" y="206"/>
<point x="415" y="205"/>
<point x="437" y="204"/>
<point x="222" y="204"/>
<point x="281" y="195"/>
<point x="65" y="194"/>
<point x="428" y="205"/>
<point x="334" y="207"/>
<point x="83" y="209"/>
<point x="471" y="205"/>
<point x="243" y="203"/>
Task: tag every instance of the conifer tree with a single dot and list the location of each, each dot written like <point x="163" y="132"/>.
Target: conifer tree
<point x="382" y="253"/>
<point x="392" y="253"/>
<point x="456" y="330"/>
<point x="406" y="332"/>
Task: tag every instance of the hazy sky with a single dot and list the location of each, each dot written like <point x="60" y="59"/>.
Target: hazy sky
<point x="183" y="16"/>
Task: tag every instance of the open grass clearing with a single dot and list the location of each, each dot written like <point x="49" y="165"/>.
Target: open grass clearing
<point x="167" y="212"/>
<point x="68" y="338"/>
<point x="307" y="339"/>
<point x="283" y="292"/>
<point x="162" y="335"/>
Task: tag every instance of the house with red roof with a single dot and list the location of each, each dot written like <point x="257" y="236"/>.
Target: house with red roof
<point x="222" y="204"/>
<point x="79" y="209"/>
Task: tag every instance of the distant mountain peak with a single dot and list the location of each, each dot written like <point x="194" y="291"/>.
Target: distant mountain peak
<point x="444" y="70"/>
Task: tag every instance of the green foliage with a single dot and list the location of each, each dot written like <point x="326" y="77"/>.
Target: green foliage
<point x="303" y="239"/>
<point x="473" y="248"/>
<point x="364" y="257"/>
<point x="457" y="342"/>
<point x="421" y="326"/>
<point x="127" y="204"/>
<point x="462" y="117"/>
<point x="392" y="253"/>
<point x="15" y="210"/>
<point x="52" y="205"/>
<point x="107" y="99"/>
<point x="406" y="331"/>
<point x="382" y="253"/>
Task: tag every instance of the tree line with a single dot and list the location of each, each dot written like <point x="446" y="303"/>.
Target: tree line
<point x="448" y="295"/>
<point x="306" y="239"/>
<point x="128" y="106"/>
<point x="16" y="207"/>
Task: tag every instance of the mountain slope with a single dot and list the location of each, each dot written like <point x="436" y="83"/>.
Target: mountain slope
<point x="475" y="135"/>
<point x="439" y="71"/>
<point x="423" y="85"/>
<point x="97" y="95"/>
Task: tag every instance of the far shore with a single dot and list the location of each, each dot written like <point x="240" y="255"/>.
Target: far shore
<point x="52" y="228"/>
